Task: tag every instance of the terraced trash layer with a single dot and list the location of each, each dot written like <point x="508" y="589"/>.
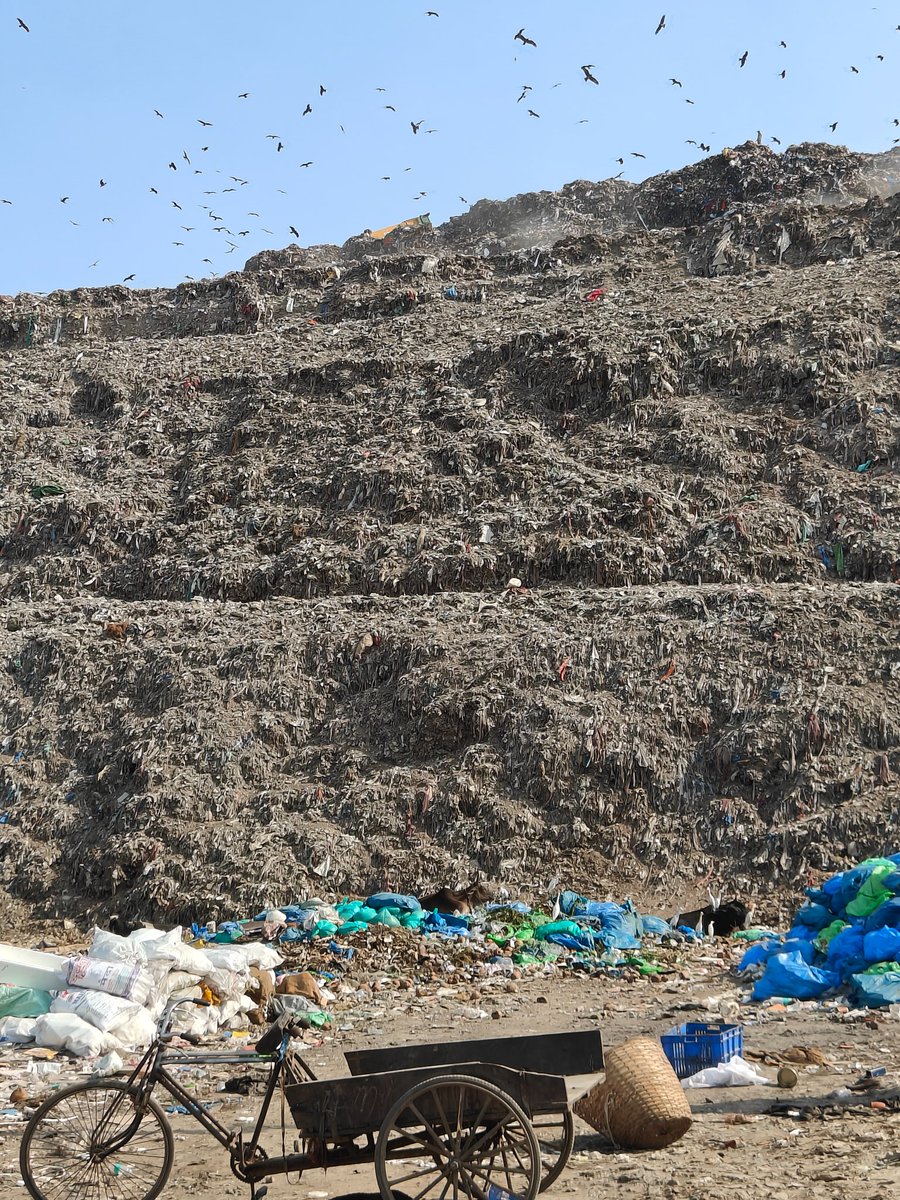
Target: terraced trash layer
<point x="257" y="536"/>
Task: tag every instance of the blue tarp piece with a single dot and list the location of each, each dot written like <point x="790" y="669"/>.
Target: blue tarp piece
<point x="876" y="991"/>
<point x="789" y="975"/>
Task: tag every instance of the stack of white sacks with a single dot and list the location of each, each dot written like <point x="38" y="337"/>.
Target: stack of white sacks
<point x="116" y="994"/>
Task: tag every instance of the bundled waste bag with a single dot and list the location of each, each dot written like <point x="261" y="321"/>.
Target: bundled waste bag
<point x="847" y="935"/>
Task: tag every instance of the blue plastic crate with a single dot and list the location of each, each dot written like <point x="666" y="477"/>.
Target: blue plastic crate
<point x="697" y="1045"/>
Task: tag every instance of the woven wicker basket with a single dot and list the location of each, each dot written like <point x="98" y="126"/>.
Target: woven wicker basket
<point x="640" y="1105"/>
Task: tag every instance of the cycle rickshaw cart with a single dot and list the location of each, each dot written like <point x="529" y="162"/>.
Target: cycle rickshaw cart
<point x="464" y="1120"/>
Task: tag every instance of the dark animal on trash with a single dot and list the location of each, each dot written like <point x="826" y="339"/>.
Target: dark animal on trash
<point x="721" y="919"/>
<point x="454" y="903"/>
<point x="120" y="926"/>
<point x="241" y="1084"/>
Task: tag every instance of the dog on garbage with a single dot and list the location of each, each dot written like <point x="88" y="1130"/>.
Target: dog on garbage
<point x="451" y="903"/>
<point x="301" y="983"/>
<point x="717" y="918"/>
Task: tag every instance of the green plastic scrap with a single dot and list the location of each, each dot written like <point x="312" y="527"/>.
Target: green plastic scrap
<point x="827" y="935"/>
<point x="873" y="892"/>
<point x="40" y="490"/>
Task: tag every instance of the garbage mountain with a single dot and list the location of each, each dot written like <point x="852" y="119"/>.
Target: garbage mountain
<point x="561" y="543"/>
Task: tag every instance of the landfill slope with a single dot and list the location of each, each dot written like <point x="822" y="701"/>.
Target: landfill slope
<point x="256" y="535"/>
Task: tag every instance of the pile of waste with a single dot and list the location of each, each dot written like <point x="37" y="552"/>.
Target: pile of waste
<point x="577" y="931"/>
<point x="110" y="1000"/>
<point x="847" y="935"/>
<point x="578" y="559"/>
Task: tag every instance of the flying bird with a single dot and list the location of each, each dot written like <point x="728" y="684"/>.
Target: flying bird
<point x="526" y="88"/>
<point x="175" y="204"/>
<point x="704" y="147"/>
<point x="243" y="95"/>
<point x="94" y="263"/>
<point x="127" y="277"/>
<point x="464" y="200"/>
<point x="279" y="147"/>
<point x="637" y="154"/>
<point x="159" y="114"/>
<point x="688" y="101"/>
<point x="675" y="82"/>
<point x="109" y="220"/>
<point x="833" y="126"/>
<point x="172" y="165"/>
<point x="588" y="77"/>
<point x="784" y="44"/>
<point x="532" y="113"/>
<point x="880" y="57"/>
<point x="22" y="25"/>
<point x="662" y="24"/>
<point x="200" y="121"/>
<point x="295" y="232"/>
<point x="432" y="13"/>
<point x="784" y="74"/>
<point x="5" y="201"/>
<point x="184" y="155"/>
<point x="178" y="243"/>
<point x="154" y="191"/>
<point x="526" y="41"/>
<point x="385" y="179"/>
<point x="63" y="199"/>
<point x="776" y="140"/>
<point x="306" y="164"/>
<point x="416" y="125"/>
<point x="306" y="111"/>
<point x="620" y="161"/>
<point x="391" y="107"/>
<point x="743" y="59"/>
<point x="322" y="90"/>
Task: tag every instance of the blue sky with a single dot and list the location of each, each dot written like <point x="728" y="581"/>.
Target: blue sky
<point x="80" y="88"/>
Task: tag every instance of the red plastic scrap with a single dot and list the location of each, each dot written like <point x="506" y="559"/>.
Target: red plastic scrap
<point x="563" y="669"/>
<point x="596" y="294"/>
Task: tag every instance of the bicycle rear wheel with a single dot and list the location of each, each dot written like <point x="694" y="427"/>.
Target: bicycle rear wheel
<point x="93" y="1142"/>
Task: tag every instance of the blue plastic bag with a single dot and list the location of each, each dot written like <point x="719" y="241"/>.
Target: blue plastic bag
<point x="757" y="953"/>
<point x="845" y="952"/>
<point x="789" y="975"/>
<point x="881" y="945"/>
<point x="885" y="914"/>
<point x="814" y="916"/>
<point x="656" y="927"/>
<point x="393" y="900"/>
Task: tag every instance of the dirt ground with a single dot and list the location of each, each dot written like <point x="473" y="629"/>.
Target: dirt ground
<point x="733" y="1145"/>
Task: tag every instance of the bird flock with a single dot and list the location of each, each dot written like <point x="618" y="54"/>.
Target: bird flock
<point x="227" y="229"/>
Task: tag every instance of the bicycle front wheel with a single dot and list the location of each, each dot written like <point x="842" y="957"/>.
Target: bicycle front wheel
<point x="94" y="1141"/>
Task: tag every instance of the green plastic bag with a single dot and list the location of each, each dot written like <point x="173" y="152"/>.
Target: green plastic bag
<point x="828" y="934"/>
<point x="24" y="1002"/>
<point x="873" y="892"/>
<point x="569" y="927"/>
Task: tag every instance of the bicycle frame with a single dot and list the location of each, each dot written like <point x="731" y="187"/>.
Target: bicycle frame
<point x="151" y="1073"/>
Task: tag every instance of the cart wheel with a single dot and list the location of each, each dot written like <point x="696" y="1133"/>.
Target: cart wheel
<point x="453" y="1136"/>
<point x="94" y="1141"/>
<point x="555" y="1133"/>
